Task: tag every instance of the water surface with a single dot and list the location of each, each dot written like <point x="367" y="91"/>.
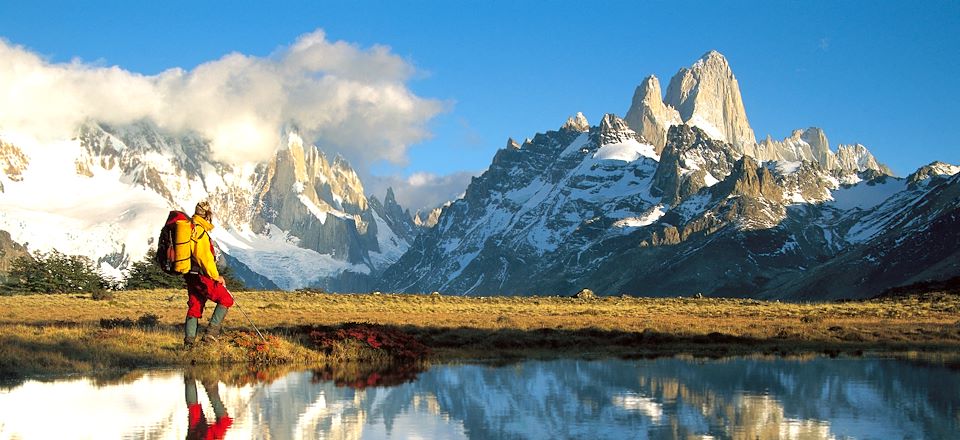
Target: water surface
<point x="617" y="399"/>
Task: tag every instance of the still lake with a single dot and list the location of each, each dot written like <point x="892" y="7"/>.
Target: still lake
<point x="814" y="397"/>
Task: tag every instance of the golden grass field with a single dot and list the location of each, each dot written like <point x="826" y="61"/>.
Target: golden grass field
<point x="62" y="333"/>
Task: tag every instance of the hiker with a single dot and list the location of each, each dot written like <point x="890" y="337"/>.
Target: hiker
<point x="197" y="425"/>
<point x="204" y="280"/>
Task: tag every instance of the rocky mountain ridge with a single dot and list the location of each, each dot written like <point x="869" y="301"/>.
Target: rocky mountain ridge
<point x="709" y="211"/>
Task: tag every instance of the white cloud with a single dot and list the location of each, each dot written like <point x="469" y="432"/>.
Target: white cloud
<point x="340" y="96"/>
<point x="421" y="191"/>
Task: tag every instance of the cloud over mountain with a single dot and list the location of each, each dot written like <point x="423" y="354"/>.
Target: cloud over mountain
<point x="421" y="191"/>
<point x="346" y="98"/>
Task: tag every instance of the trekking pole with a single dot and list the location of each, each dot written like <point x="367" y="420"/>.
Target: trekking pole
<point x="250" y="321"/>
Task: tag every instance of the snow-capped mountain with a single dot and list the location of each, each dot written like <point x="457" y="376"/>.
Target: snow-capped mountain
<point x="298" y="220"/>
<point x="677" y="198"/>
<point x="708" y="211"/>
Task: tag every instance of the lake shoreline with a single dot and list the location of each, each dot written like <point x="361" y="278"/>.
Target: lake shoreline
<point x="74" y="334"/>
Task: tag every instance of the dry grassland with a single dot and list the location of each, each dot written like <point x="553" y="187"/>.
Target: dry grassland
<point x="63" y="331"/>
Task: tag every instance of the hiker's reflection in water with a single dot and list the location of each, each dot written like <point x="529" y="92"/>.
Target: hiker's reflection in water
<point x="198" y="426"/>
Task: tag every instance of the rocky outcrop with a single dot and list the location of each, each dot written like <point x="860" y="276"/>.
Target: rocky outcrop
<point x="9" y="252"/>
<point x="933" y="171"/>
<point x="750" y="180"/>
<point x="707" y="95"/>
<point x="614" y="130"/>
<point x="12" y="161"/>
<point x="689" y="159"/>
<point x="649" y="116"/>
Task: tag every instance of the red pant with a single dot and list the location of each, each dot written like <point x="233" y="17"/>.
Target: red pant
<point x="198" y="428"/>
<point x="200" y="288"/>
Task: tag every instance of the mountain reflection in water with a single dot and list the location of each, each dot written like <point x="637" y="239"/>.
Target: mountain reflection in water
<point x="740" y="398"/>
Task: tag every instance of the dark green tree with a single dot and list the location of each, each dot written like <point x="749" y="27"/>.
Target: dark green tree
<point x="230" y="277"/>
<point x="146" y="274"/>
<point x="55" y="272"/>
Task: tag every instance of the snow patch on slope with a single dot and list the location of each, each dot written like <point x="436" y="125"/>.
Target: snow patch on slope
<point x="275" y="255"/>
<point x="715" y="133"/>
<point x="866" y="195"/>
<point x="647" y="218"/>
<point x="391" y="246"/>
<point x="581" y="141"/>
<point x="627" y="151"/>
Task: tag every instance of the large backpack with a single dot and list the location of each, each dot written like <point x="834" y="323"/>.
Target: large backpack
<point x="173" y="247"/>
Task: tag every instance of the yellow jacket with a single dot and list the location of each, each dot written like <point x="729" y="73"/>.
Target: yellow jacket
<point x="201" y="248"/>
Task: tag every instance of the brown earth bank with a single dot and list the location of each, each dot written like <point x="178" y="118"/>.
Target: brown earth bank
<point x="75" y="334"/>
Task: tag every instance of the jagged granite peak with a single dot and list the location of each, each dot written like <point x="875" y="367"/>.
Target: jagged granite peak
<point x="819" y="145"/>
<point x="809" y="144"/>
<point x="649" y="116"/>
<point x="347" y="186"/>
<point x="856" y="157"/>
<point x="390" y="199"/>
<point x="707" y="95"/>
<point x="303" y="188"/>
<point x="395" y="216"/>
<point x="512" y="144"/>
<point x="577" y="122"/>
<point x="428" y="219"/>
<point x="327" y="184"/>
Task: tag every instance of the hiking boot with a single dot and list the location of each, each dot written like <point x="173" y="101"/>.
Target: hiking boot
<point x="189" y="341"/>
<point x="212" y="334"/>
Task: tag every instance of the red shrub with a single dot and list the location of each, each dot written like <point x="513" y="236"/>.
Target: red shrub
<point x="395" y="342"/>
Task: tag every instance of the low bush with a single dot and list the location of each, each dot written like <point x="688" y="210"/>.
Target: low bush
<point x="101" y="295"/>
<point x="147" y="321"/>
<point x="109" y="323"/>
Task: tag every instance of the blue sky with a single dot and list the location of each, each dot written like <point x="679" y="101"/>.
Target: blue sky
<point x="878" y="73"/>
